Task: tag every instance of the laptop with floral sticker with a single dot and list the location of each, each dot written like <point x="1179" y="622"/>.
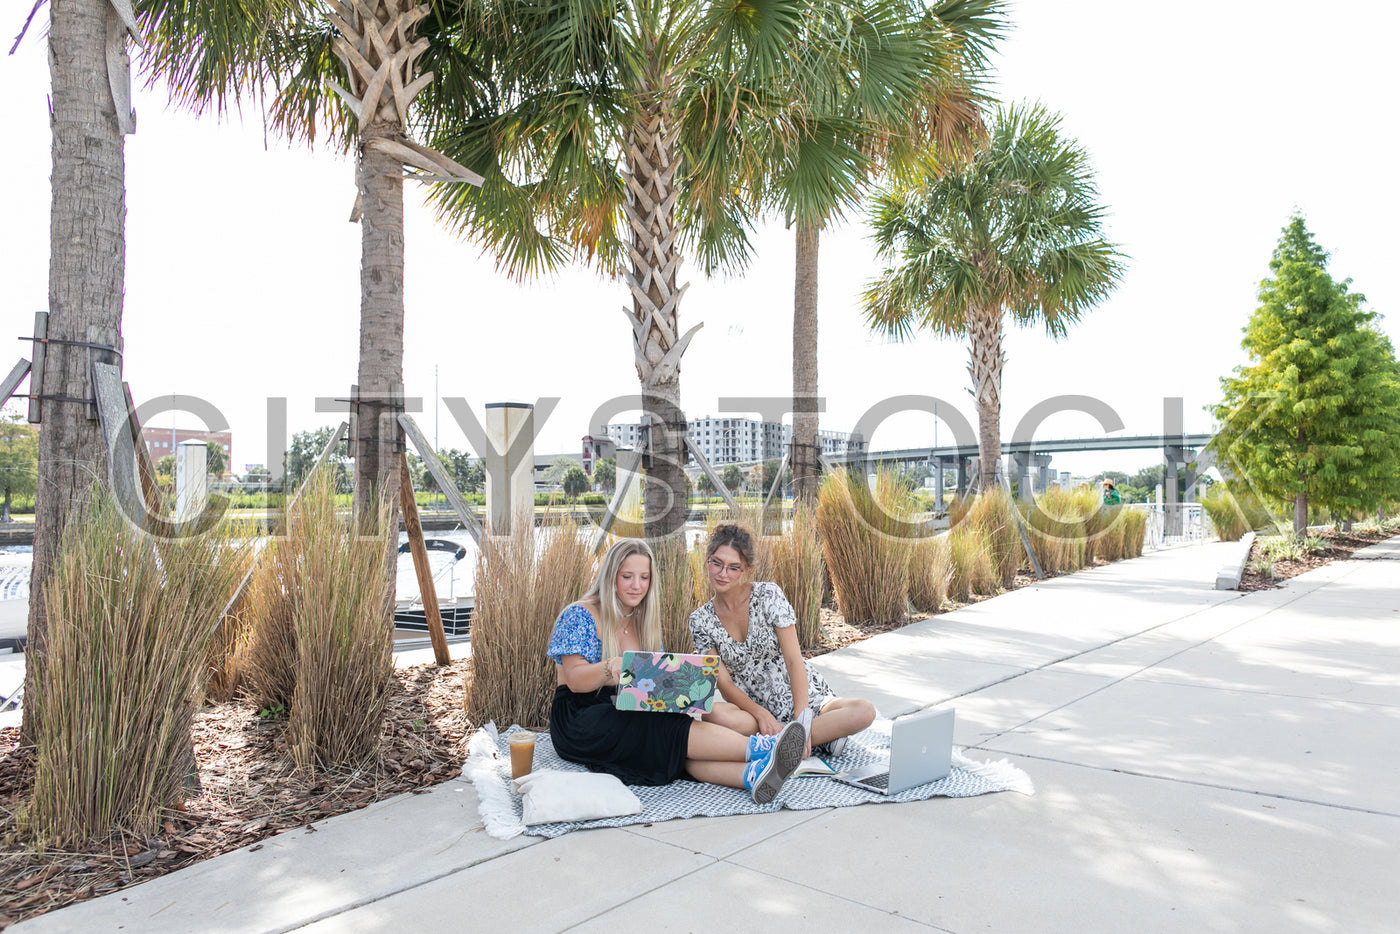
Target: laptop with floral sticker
<point x="667" y="682"/>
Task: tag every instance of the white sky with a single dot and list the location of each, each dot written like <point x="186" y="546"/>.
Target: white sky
<point x="243" y="273"/>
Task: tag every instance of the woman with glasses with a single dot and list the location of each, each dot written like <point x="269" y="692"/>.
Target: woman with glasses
<point x="751" y="627"/>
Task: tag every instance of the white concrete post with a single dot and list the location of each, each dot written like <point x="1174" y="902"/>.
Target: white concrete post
<point x="510" y="464"/>
<point x="191" y="479"/>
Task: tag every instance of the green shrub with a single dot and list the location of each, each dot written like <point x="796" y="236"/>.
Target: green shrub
<point x="1233" y="511"/>
<point x="116" y="689"/>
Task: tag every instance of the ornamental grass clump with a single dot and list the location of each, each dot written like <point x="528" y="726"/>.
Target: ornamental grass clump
<point x="864" y="545"/>
<point x="1134" y="532"/>
<point x="522" y="584"/>
<point x="989" y="518"/>
<point x="228" y="648"/>
<point x="342" y="605"/>
<point x="270" y="656"/>
<point x="676" y="583"/>
<point x="1107" y="527"/>
<point x="1234" y="512"/>
<point x="793" y="561"/>
<point x="971" y="570"/>
<point x="1057" y="527"/>
<point x="130" y="621"/>
<point x="930" y="572"/>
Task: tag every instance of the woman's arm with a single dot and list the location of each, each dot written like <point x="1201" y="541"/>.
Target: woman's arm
<point x="797" y="677"/>
<point x="768" y="724"/>
<point x="582" y="676"/>
<point x="796" y="667"/>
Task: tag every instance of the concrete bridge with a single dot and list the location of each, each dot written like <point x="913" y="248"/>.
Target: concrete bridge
<point x="1034" y="457"/>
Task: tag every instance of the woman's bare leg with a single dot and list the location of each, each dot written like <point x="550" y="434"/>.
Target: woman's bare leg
<point x="715" y="743"/>
<point x="733" y="717"/>
<point x="709" y="752"/>
<point x="730" y="774"/>
<point x="841" y="716"/>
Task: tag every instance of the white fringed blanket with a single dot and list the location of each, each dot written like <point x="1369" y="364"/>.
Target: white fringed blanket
<point x="488" y="768"/>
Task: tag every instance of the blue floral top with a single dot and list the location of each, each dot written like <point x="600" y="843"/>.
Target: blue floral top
<point x="575" y="633"/>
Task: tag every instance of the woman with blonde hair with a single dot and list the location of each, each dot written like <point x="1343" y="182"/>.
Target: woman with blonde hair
<point x="617" y="614"/>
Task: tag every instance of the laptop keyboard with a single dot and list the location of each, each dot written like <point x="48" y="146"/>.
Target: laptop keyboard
<point x="878" y="781"/>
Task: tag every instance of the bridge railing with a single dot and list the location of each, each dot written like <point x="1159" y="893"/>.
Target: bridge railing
<point x="1175" y="523"/>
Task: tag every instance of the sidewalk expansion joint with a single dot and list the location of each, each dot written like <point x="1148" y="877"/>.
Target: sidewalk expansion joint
<point x="851" y="901"/>
<point x="1198" y="784"/>
<point x="417" y="883"/>
<point x="1133" y="674"/>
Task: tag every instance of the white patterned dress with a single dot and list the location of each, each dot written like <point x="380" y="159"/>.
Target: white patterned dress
<point x="756" y="664"/>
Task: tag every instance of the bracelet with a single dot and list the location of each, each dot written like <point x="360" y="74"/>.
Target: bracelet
<point x="607" y="671"/>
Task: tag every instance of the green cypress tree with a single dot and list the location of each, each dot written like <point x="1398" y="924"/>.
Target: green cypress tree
<point x="1312" y="419"/>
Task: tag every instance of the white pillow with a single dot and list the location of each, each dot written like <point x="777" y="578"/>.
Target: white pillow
<point x="553" y="797"/>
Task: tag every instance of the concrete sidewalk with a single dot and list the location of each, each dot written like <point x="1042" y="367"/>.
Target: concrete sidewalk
<point x="1204" y="761"/>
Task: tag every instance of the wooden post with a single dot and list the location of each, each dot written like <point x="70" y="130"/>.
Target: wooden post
<point x="1021" y="527"/>
<point x="106" y="381"/>
<point x="444" y="481"/>
<point x="286" y="510"/>
<point x="715" y="481"/>
<point x="629" y="465"/>
<point x="772" y="492"/>
<point x="144" y="466"/>
<point x="21" y="369"/>
<point x="36" y="369"/>
<point x="409" y="507"/>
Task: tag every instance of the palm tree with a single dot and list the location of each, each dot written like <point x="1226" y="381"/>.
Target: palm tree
<point x="367" y="53"/>
<point x="1018" y="231"/>
<point x="630" y="134"/>
<point x="905" y="99"/>
<point x="91" y="113"/>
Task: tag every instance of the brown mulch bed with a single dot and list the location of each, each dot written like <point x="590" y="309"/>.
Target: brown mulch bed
<point x="249" y="791"/>
<point x="1339" y="545"/>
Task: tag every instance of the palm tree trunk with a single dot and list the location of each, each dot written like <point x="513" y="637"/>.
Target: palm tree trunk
<point x="652" y="162"/>
<point x="805" y="420"/>
<point x="87" y="267"/>
<point x="381" y="328"/>
<point x="984" y="327"/>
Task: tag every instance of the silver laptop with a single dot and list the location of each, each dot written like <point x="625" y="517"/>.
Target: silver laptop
<point x="921" y="751"/>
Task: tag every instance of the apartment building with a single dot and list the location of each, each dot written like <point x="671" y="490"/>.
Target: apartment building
<point x="731" y="440"/>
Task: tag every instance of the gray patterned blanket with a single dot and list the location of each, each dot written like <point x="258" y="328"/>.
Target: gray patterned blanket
<point x="488" y="768"/>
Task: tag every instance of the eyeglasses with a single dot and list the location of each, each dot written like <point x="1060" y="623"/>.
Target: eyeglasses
<point x="720" y="567"/>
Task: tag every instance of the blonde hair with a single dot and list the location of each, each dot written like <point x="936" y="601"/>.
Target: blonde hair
<point x="603" y="593"/>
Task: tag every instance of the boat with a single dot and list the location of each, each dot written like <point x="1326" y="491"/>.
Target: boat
<point x="409" y="613"/>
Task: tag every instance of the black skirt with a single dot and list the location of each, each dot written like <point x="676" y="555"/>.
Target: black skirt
<point x="639" y="748"/>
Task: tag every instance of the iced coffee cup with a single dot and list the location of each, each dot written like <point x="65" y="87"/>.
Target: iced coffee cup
<point x="522" y="753"/>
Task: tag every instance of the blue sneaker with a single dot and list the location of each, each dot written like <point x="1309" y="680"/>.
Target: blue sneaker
<point x="760" y="746"/>
<point x="766" y="774"/>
